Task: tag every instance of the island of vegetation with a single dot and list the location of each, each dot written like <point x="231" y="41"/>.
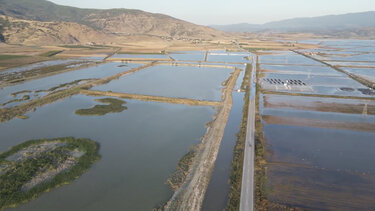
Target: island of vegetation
<point x="113" y="106"/>
<point x="37" y="166"/>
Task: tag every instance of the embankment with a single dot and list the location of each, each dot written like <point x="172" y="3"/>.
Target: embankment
<point x="191" y="194"/>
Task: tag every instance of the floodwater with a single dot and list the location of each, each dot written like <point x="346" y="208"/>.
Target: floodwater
<point x="188" y="55"/>
<point x="216" y="197"/>
<point x="315" y="79"/>
<point x="319" y="166"/>
<point x="317" y="84"/>
<point x="367" y="73"/>
<point x="228" y="57"/>
<point x="99" y="71"/>
<point x="356" y="57"/>
<point x="141" y="56"/>
<point x="319" y="151"/>
<point x="140" y="148"/>
<point x="322" y="169"/>
<point x="39" y="65"/>
<point x="304" y="70"/>
<point x="287" y="57"/>
<point x="201" y="83"/>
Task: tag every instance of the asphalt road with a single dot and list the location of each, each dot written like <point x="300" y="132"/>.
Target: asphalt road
<point x="247" y="190"/>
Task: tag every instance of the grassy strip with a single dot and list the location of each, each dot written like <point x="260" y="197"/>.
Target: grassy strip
<point x="14" y="94"/>
<point x="114" y="106"/>
<point x="255" y="50"/>
<point x="235" y="179"/>
<point x="183" y="166"/>
<point x="6" y="57"/>
<point x="50" y="53"/>
<point x="65" y="85"/>
<point x="80" y="46"/>
<point x="24" y="98"/>
<point x="16" y="77"/>
<point x="260" y="196"/>
<point x="152" y="98"/>
<point x="21" y="172"/>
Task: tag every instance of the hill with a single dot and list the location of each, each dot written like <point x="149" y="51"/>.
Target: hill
<point x="361" y="23"/>
<point x="28" y="32"/>
<point x="111" y="21"/>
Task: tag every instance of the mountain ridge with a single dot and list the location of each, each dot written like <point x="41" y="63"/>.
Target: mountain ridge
<point x="110" y="21"/>
<point x="308" y="24"/>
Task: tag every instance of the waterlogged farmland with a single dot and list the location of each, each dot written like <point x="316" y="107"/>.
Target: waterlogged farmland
<point x="319" y="127"/>
<point x="170" y="128"/>
<point x="13" y="95"/>
<point x="141" y="141"/>
<point x="140" y="148"/>
<point x="201" y="83"/>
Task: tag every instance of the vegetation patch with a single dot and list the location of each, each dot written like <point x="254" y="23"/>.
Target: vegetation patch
<point x="6" y="57"/>
<point x="113" y="106"/>
<point x="63" y="86"/>
<point x="255" y="50"/>
<point x="81" y="46"/>
<point x="235" y="179"/>
<point x="37" y="166"/>
<point x="182" y="170"/>
<point x="50" y="53"/>
<point x="16" y="77"/>
<point x="24" y="98"/>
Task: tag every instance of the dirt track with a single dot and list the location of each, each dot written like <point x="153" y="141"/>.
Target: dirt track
<point x="191" y="194"/>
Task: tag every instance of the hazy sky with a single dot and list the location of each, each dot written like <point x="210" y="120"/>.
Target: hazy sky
<point x="207" y="12"/>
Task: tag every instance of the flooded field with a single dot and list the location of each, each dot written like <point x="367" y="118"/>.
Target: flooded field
<point x="41" y="87"/>
<point x="302" y="76"/>
<point x="320" y="152"/>
<point x="217" y="194"/>
<point x="349" y="55"/>
<point x="319" y="149"/>
<point x="141" y="56"/>
<point x="140" y="148"/>
<point x="318" y="125"/>
<point x="141" y="142"/>
<point x="287" y="58"/>
<point x="201" y="83"/>
<point x="39" y="65"/>
<point x="188" y="55"/>
<point x="228" y="57"/>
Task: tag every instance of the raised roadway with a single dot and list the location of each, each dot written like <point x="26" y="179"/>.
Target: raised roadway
<point x="247" y="190"/>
